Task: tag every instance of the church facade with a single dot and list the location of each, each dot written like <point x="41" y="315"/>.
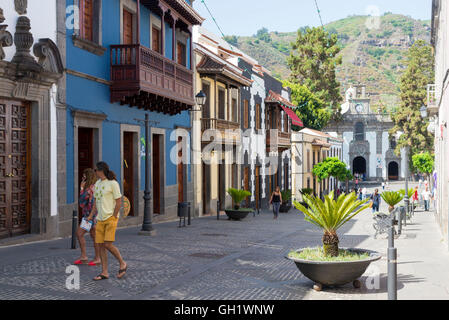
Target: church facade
<point x="368" y="148"/>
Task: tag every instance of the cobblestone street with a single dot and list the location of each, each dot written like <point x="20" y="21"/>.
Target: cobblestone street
<point x="223" y="260"/>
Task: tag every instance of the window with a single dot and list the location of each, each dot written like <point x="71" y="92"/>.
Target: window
<point x="314" y="158"/>
<point x="206" y="107"/>
<point x="258" y="118"/>
<point x="181" y="54"/>
<point x="285" y="122"/>
<point x="89" y="36"/>
<point x="359" y="131"/>
<point x="245" y="114"/>
<point x="221" y="104"/>
<point x="308" y="160"/>
<point x="86" y="19"/>
<point x="234" y="110"/>
<point x="156" y="35"/>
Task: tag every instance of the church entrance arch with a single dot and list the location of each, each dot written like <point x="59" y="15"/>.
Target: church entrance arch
<point x="393" y="171"/>
<point x="359" y="166"/>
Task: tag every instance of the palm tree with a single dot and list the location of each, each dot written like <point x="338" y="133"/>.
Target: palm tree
<point x="330" y="215"/>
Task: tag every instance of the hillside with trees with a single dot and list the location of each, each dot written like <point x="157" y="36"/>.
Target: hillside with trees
<point x="372" y="56"/>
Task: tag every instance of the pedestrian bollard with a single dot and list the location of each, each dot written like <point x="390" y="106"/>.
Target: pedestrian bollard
<point x="392" y="274"/>
<point x="391" y="233"/>
<point x="399" y="218"/>
<point x="74" y="228"/>
<point x="188" y="219"/>
<point x="218" y="210"/>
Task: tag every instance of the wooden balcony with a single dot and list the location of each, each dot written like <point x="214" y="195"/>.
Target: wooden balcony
<point x="223" y="127"/>
<point x="144" y="78"/>
<point x="282" y="141"/>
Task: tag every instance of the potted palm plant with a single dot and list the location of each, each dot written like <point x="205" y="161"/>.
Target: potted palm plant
<point x="237" y="213"/>
<point x="330" y="265"/>
<point x="392" y="198"/>
<point x="286" y="204"/>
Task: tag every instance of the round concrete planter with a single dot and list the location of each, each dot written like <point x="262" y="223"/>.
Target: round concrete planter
<point x="237" y="214"/>
<point x="338" y="273"/>
<point x="284" y="208"/>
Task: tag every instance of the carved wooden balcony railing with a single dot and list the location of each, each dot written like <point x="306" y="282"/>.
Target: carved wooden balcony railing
<point x="144" y="78"/>
<point x="222" y="126"/>
<point x="281" y="141"/>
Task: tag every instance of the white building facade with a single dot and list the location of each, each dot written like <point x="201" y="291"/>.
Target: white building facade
<point x="368" y="149"/>
<point x="438" y="110"/>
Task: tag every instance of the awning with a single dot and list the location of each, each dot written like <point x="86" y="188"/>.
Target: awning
<point x="295" y="119"/>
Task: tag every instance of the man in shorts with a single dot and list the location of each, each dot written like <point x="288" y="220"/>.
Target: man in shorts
<point x="107" y="202"/>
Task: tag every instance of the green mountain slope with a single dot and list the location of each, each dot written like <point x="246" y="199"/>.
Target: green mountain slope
<point x="375" y="57"/>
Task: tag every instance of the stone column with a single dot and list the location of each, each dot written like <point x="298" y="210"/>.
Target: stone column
<point x="378" y="151"/>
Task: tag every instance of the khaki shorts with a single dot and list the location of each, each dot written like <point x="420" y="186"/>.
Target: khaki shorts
<point x="105" y="230"/>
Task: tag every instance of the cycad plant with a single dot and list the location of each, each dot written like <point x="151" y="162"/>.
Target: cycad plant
<point x="392" y="198"/>
<point x="410" y="192"/>
<point x="286" y="195"/>
<point x="238" y="196"/>
<point x="330" y="215"/>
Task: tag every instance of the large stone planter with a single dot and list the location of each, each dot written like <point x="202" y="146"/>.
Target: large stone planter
<point x="325" y="273"/>
<point x="284" y="208"/>
<point x="238" y="214"/>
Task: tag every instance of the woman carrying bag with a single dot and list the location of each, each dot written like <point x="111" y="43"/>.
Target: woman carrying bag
<point x="86" y="200"/>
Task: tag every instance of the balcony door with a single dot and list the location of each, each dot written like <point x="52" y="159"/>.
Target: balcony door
<point x="181" y="54"/>
<point x="128" y="36"/>
<point x="156" y="39"/>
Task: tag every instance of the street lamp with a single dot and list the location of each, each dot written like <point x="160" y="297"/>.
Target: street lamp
<point x="200" y="100"/>
<point x="423" y="112"/>
<point x="406" y="199"/>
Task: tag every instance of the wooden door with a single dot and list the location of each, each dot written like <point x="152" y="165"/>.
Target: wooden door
<point x="127" y="27"/>
<point x="156" y="175"/>
<point x="257" y="195"/>
<point x="221" y="186"/>
<point x="246" y="183"/>
<point x="286" y="186"/>
<point x="85" y="156"/>
<point x="128" y="37"/>
<point x="128" y="169"/>
<point x="180" y="172"/>
<point x="156" y="35"/>
<point x="15" y="167"/>
<point x="206" y="189"/>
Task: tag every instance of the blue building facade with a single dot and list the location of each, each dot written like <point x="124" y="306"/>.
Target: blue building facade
<point x="126" y="59"/>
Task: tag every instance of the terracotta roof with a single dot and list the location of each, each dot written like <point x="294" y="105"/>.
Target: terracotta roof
<point x="320" y="143"/>
<point x="209" y="64"/>
<point x="277" y="98"/>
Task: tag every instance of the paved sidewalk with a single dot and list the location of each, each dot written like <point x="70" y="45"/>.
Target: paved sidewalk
<point x="227" y="260"/>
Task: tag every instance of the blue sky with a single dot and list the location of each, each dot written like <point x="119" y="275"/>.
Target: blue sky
<point x="245" y="17"/>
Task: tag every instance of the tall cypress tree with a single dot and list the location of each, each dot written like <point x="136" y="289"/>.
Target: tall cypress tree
<point x="313" y="61"/>
<point x="419" y="73"/>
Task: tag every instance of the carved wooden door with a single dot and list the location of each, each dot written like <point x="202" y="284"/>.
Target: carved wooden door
<point x="14" y="168"/>
<point x="180" y="172"/>
<point x="128" y="36"/>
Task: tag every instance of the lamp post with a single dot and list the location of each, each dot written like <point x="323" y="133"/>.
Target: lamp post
<point x="200" y="100"/>
<point x="147" y="225"/>
<point x="406" y="173"/>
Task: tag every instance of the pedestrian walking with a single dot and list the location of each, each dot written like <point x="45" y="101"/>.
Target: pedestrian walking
<point x="383" y="186"/>
<point x="86" y="201"/>
<point x="426" y="197"/>
<point x="375" y="199"/>
<point x="364" y="191"/>
<point x="107" y="203"/>
<point x="415" y="196"/>
<point x="360" y="194"/>
<point x="276" y="199"/>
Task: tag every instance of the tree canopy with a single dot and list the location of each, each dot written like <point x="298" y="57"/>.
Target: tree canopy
<point x="423" y="162"/>
<point x="311" y="110"/>
<point x="407" y="118"/>
<point x="332" y="167"/>
<point x="313" y="61"/>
